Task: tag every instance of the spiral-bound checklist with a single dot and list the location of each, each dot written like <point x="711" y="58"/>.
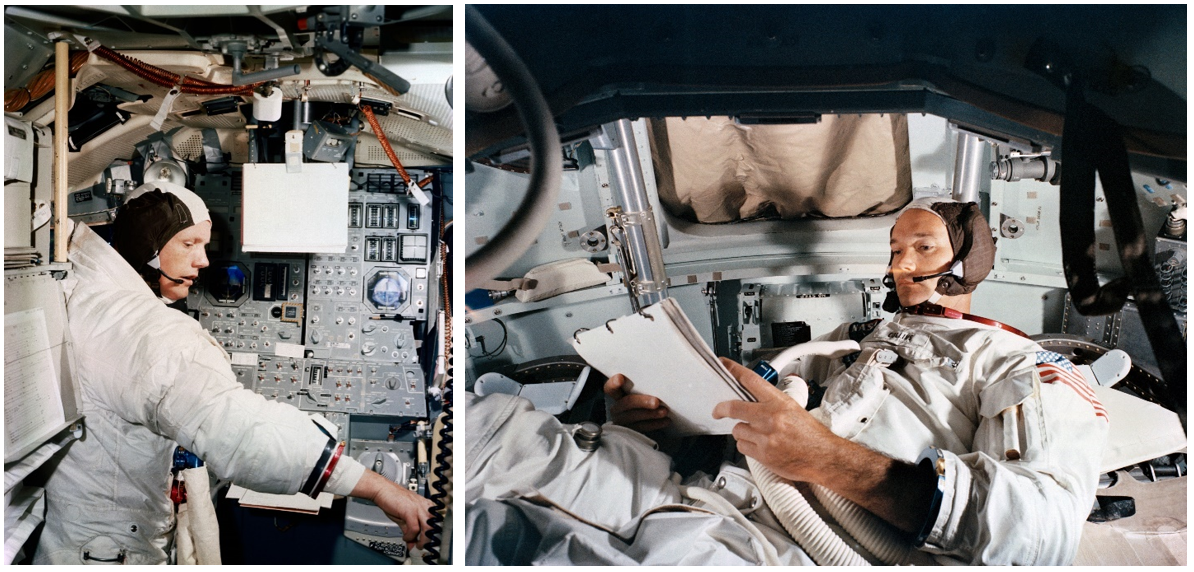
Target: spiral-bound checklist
<point x="663" y="355"/>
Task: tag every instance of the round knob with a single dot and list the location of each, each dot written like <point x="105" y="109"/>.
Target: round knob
<point x="587" y="436"/>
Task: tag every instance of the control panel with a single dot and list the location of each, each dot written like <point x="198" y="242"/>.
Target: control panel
<point x="248" y="302"/>
<point x="332" y="332"/>
<point x="341" y="386"/>
<point x="339" y="334"/>
<point x="364" y="522"/>
<point x="369" y="302"/>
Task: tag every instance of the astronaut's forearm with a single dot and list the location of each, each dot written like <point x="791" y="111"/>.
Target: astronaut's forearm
<point x="898" y="492"/>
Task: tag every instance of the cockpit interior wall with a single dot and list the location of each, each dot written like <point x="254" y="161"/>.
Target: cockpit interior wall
<point x="767" y="240"/>
<point x="321" y="140"/>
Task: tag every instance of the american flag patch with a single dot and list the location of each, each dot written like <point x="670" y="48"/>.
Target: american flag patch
<point x="1054" y="368"/>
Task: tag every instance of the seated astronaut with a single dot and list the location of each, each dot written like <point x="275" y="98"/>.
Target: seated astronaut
<point x="955" y="429"/>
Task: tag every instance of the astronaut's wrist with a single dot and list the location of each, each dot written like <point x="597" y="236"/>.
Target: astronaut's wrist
<point x="932" y="460"/>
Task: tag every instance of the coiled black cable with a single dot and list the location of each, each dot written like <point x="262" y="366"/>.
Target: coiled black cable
<point x="443" y="457"/>
<point x="442" y="466"/>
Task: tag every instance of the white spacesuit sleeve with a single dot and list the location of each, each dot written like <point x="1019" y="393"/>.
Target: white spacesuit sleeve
<point x="998" y="509"/>
<point x="193" y="398"/>
<point x="346" y="476"/>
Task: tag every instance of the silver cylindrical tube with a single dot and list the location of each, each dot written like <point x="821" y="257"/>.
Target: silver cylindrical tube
<point x="642" y="238"/>
<point x="970" y="165"/>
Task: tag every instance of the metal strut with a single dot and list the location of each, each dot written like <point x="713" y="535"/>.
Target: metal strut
<point x="632" y="224"/>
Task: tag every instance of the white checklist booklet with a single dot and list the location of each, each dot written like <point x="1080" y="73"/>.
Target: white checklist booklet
<point x="663" y="355"/>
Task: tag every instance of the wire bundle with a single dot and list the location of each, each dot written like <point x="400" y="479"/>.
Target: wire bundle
<point x="164" y="78"/>
<point x="41" y="84"/>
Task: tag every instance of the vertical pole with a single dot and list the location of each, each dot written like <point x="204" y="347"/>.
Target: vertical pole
<point x="61" y="109"/>
<point x="969" y="167"/>
<point x="642" y="236"/>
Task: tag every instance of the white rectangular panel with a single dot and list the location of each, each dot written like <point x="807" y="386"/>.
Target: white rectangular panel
<point x="295" y="212"/>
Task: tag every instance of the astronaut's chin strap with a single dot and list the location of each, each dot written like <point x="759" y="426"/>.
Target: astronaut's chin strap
<point x="928" y="308"/>
<point x="934" y="298"/>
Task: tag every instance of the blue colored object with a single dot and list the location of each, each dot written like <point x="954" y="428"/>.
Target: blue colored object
<point x="766" y="372"/>
<point x="478" y="298"/>
<point x="184" y="459"/>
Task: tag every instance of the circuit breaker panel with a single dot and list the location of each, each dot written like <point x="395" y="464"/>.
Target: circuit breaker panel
<point x="336" y="333"/>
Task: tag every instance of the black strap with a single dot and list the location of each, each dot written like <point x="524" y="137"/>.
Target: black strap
<point x="1094" y="142"/>
<point x="119" y="558"/>
<point x="1087" y="142"/>
<point x="313" y="480"/>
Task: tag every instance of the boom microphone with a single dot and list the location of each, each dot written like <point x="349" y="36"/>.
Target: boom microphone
<point x="916" y="278"/>
<point x="170" y="277"/>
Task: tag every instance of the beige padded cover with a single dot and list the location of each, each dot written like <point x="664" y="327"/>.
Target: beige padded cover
<point x="714" y="170"/>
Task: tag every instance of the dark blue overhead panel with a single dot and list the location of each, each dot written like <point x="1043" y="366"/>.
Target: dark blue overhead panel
<point x="968" y="63"/>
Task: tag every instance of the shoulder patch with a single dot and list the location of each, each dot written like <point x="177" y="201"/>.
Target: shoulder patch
<point x="1055" y="368"/>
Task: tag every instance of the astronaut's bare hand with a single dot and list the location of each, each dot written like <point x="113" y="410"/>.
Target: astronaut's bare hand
<point x="407" y="509"/>
<point x="777" y="431"/>
<point x="643" y="413"/>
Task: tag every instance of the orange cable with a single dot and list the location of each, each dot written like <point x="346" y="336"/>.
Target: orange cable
<point x="385" y="144"/>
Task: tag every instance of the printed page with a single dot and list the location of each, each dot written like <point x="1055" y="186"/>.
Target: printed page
<point x="32" y="397"/>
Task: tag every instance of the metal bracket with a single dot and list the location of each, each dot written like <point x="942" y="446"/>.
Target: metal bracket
<point x="635" y="218"/>
<point x="604" y="139"/>
<point x="644" y="287"/>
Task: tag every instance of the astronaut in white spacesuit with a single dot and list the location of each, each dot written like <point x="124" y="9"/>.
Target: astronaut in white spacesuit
<point x="151" y="378"/>
<point x="956" y="429"/>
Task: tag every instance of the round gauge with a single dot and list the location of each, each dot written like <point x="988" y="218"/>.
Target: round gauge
<point x="388" y="290"/>
<point x="226" y="284"/>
